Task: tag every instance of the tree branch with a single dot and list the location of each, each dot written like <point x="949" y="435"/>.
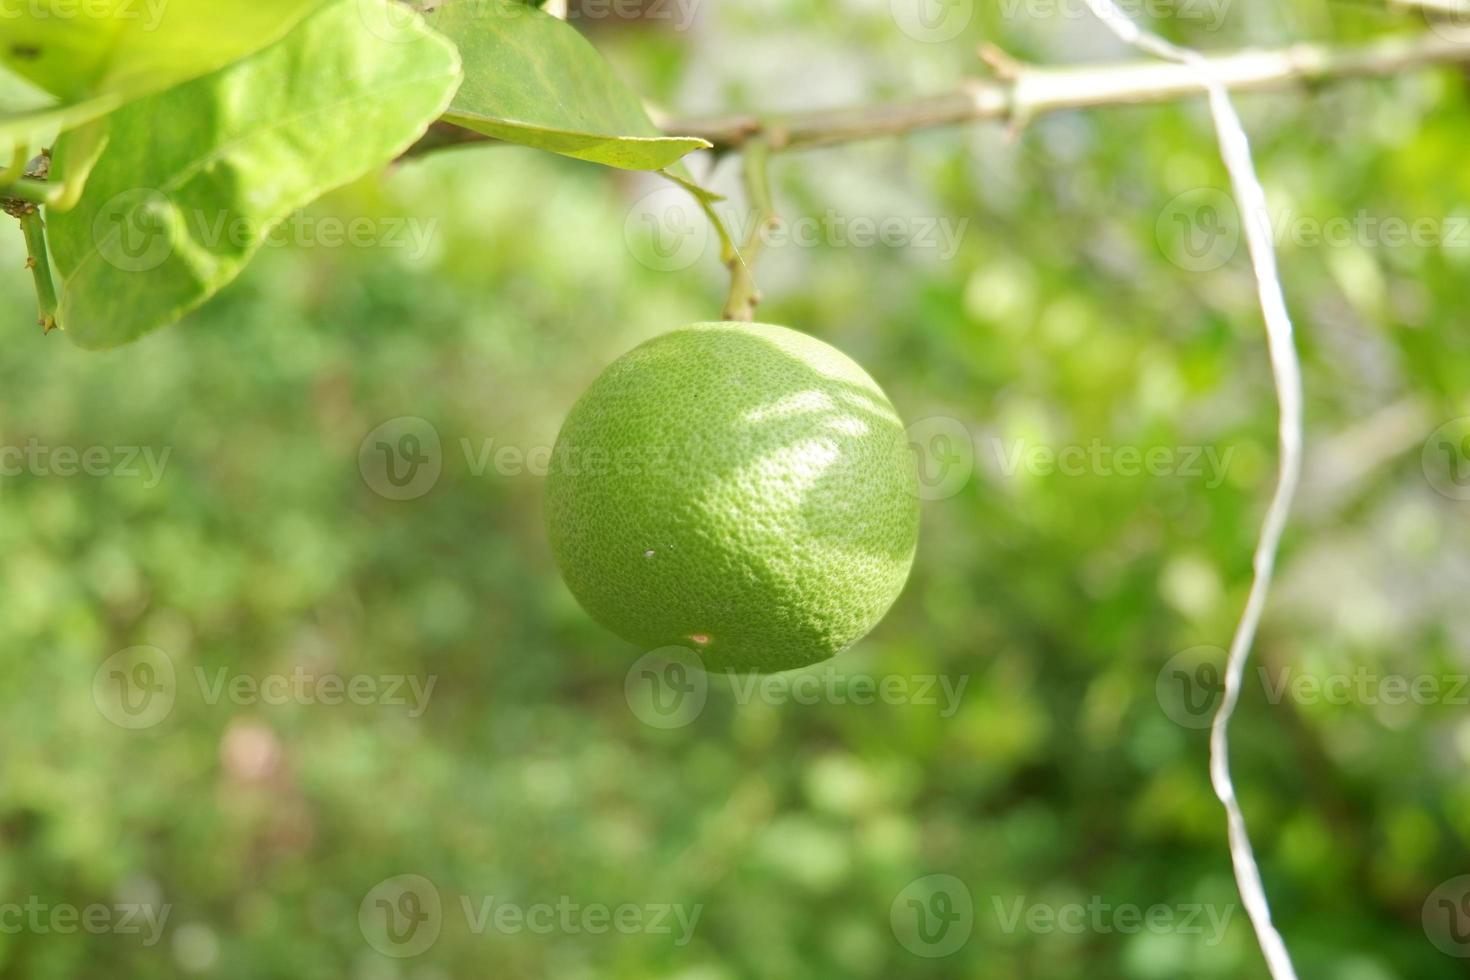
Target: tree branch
<point x="1023" y="92"/>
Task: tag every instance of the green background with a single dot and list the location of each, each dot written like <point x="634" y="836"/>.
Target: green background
<point x="1057" y="598"/>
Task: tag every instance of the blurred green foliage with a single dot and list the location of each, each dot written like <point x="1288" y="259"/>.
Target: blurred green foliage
<point x="1059" y="777"/>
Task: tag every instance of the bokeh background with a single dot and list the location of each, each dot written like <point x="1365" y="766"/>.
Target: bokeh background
<point x="1076" y="613"/>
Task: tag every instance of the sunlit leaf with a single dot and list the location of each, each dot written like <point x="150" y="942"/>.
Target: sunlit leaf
<point x="74" y="156"/>
<point x="165" y="222"/>
<point x="532" y="79"/>
<point x="96" y="56"/>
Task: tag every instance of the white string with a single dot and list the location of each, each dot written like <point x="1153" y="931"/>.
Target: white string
<point x="1286" y="370"/>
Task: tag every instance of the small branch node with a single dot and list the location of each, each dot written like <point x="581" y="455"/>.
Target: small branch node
<point x="1006" y="67"/>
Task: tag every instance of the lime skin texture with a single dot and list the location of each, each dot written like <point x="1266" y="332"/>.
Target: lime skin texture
<point x="742" y="490"/>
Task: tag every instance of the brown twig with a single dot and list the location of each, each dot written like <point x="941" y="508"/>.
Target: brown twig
<point x="1020" y="92"/>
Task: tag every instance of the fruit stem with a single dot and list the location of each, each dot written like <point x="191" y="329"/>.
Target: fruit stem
<point x="744" y="294"/>
<point x="39" y="264"/>
<point x="22" y="199"/>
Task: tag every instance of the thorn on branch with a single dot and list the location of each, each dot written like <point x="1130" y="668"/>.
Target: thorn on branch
<point x="40" y="167"/>
<point x="1005" y="67"/>
<point x="1012" y="72"/>
<point x="37" y="170"/>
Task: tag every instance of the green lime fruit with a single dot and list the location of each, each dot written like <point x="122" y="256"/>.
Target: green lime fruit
<point x="739" y="489"/>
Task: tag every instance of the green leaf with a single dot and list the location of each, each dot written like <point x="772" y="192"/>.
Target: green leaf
<point x="166" y="221"/>
<point x="30" y="118"/>
<point x="532" y="79"/>
<point x="74" y="156"/>
<point x="18" y="94"/>
<point x="75" y="50"/>
<point x="95" y="56"/>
